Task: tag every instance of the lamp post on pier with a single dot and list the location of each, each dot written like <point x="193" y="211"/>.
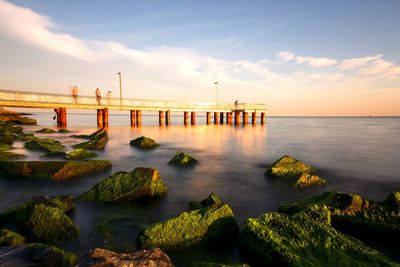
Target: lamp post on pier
<point x="120" y="89"/>
<point x="217" y="94"/>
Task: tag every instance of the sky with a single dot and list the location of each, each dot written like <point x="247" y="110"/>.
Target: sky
<point x="301" y="58"/>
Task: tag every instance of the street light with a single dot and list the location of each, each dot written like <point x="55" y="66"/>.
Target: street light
<point x="120" y="89"/>
<point x="217" y="94"/>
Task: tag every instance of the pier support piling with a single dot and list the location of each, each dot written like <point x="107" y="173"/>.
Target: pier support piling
<point x="105" y="116"/>
<point x="221" y="118"/>
<point x="216" y="114"/>
<point x="100" y="122"/>
<point x="161" y="118"/>
<point x="262" y="118"/>
<point x="133" y="118"/>
<point x="208" y="117"/>
<point x="61" y="117"/>
<point x="229" y="118"/>
<point x="185" y="118"/>
<point x="245" y="118"/>
<point x="254" y="118"/>
<point x="193" y="118"/>
<point x="237" y="118"/>
<point x="138" y="117"/>
<point x="167" y="117"/>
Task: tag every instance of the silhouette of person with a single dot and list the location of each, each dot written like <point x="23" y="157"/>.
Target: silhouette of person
<point x="75" y="94"/>
<point x="236" y="104"/>
<point x="98" y="95"/>
<point x="109" y="94"/>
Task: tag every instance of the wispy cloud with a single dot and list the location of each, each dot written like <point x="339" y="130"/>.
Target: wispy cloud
<point x="312" y="61"/>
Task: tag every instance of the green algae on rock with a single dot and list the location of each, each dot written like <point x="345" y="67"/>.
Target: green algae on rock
<point x="10" y="238"/>
<point x="210" y="200"/>
<point x="50" y="146"/>
<point x="79" y="154"/>
<point x="208" y="224"/>
<point x="144" y="142"/>
<point x="36" y="254"/>
<point x="6" y="154"/>
<point x="42" y="220"/>
<point x="306" y="239"/>
<point x="46" y="130"/>
<point x="51" y="170"/>
<point x="128" y="186"/>
<point x="288" y="166"/>
<point x="63" y="131"/>
<point x="97" y="141"/>
<point x="182" y="159"/>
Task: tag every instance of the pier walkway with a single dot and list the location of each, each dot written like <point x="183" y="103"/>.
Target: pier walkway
<point x="60" y="103"/>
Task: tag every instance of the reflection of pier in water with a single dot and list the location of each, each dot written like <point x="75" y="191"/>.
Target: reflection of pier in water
<point x="222" y="112"/>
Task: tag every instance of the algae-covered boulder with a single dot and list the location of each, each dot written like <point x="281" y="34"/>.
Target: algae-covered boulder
<point x="26" y="121"/>
<point x="63" y="131"/>
<point x="208" y="224"/>
<point x="42" y="220"/>
<point x="52" y="170"/>
<point x="182" y="159"/>
<point x="353" y="214"/>
<point x="304" y="174"/>
<point x="46" y="130"/>
<point x="10" y="238"/>
<point x="306" y="239"/>
<point x="128" y="186"/>
<point x="144" y="142"/>
<point x="6" y="138"/>
<point x="211" y="200"/>
<point x="98" y="140"/>
<point x="29" y="255"/>
<point x="6" y="154"/>
<point x="50" y="146"/>
<point x="80" y="153"/>
<point x="102" y="257"/>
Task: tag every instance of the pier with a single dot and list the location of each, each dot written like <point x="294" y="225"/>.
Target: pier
<point x="228" y="113"/>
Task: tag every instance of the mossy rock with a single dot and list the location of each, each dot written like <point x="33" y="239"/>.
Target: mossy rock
<point x="6" y="154"/>
<point x="10" y="238"/>
<point x="306" y="239"/>
<point x="42" y="220"/>
<point x="144" y="142"/>
<point x="208" y="224"/>
<point x="51" y="170"/>
<point x="307" y="180"/>
<point x="36" y="254"/>
<point x="46" y="130"/>
<point x="79" y="154"/>
<point x="128" y="186"/>
<point x="353" y="214"/>
<point x="211" y="200"/>
<point x="288" y="166"/>
<point x="97" y="141"/>
<point x="63" y="131"/>
<point x="6" y="138"/>
<point x="26" y="121"/>
<point x="182" y="159"/>
<point x="9" y="128"/>
<point x="50" y="146"/>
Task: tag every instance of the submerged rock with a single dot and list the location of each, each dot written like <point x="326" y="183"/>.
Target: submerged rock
<point x="208" y="224"/>
<point x="353" y="214"/>
<point x="46" y="130"/>
<point x="128" y="186"/>
<point x="26" y="121"/>
<point x="98" y="140"/>
<point x="52" y="170"/>
<point x="306" y="239"/>
<point x="42" y="220"/>
<point x="182" y="159"/>
<point x="80" y="153"/>
<point x="144" y="142"/>
<point x="288" y="166"/>
<point x="101" y="257"/>
<point x="6" y="154"/>
<point x="211" y="200"/>
<point x="10" y="238"/>
<point x="6" y="138"/>
<point x="35" y="255"/>
<point x="63" y="131"/>
<point x="50" y="146"/>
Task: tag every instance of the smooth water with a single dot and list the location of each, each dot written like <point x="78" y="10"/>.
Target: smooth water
<point x="356" y="155"/>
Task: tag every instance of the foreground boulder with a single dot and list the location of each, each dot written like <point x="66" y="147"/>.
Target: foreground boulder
<point x="79" y="154"/>
<point x="42" y="220"/>
<point x="10" y="238"/>
<point x="353" y="214"/>
<point x="10" y="116"/>
<point x="213" y="264"/>
<point x="101" y="257"/>
<point x="288" y="166"/>
<point x="128" y="186"/>
<point x="6" y="154"/>
<point x="144" y="142"/>
<point x="208" y="224"/>
<point x="97" y="140"/>
<point x="306" y="239"/>
<point x="35" y="255"/>
<point x="51" y="147"/>
<point x="182" y="159"/>
<point x="52" y="170"/>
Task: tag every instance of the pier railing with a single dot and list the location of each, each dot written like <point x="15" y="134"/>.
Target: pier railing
<point x="52" y="100"/>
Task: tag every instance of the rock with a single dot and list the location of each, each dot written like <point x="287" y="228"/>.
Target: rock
<point x="63" y="131"/>
<point x="98" y="140"/>
<point x="182" y="159"/>
<point x="211" y="200"/>
<point x="42" y="220"/>
<point x="26" y="121"/>
<point x="6" y="138"/>
<point x="212" y="264"/>
<point x="80" y="153"/>
<point x="128" y="186"/>
<point x="144" y="143"/>
<point x="15" y="117"/>
<point x="10" y="238"/>
<point x="355" y="215"/>
<point x="50" y="146"/>
<point x="36" y="254"/>
<point x="208" y="224"/>
<point x="46" y="130"/>
<point x="305" y="176"/>
<point x="52" y="170"/>
<point x="101" y="258"/>
<point x="6" y="154"/>
<point x="305" y="239"/>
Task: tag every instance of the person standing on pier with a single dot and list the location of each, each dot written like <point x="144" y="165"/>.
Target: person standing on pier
<point x="75" y="94"/>
<point x="109" y="94"/>
<point x="98" y="95"/>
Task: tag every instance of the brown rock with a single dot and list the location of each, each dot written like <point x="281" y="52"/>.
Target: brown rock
<point x="99" y="257"/>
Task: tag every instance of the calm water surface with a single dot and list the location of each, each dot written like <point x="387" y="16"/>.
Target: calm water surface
<point x="356" y="155"/>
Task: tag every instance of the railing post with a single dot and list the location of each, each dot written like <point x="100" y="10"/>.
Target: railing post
<point x="133" y="118"/>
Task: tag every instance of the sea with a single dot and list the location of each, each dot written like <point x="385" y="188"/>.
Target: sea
<point x="355" y="154"/>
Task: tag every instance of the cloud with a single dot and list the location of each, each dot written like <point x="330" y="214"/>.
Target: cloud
<point x="286" y="56"/>
<point x="312" y="61"/>
<point x="354" y="63"/>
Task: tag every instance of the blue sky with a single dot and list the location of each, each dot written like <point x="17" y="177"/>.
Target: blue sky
<point x="269" y="51"/>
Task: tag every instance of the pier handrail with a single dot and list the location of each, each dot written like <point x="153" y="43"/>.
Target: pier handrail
<point x="52" y="100"/>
